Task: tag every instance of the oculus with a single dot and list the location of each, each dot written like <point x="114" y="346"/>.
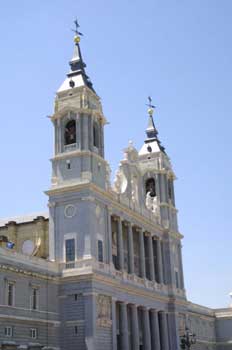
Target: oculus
<point x="70" y="211"/>
<point x="28" y="247"/>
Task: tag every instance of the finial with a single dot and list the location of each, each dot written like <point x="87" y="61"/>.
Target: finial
<point x="76" y="31"/>
<point x="150" y="106"/>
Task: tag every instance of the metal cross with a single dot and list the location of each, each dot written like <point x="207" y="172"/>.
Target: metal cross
<point x="76" y="29"/>
<point x="149" y="102"/>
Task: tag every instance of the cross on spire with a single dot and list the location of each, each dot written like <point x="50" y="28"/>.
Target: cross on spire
<point x="76" y="30"/>
<point x="151" y="107"/>
<point x="150" y="101"/>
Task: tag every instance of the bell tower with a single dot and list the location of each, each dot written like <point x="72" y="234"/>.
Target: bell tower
<point x="79" y="128"/>
<point x="79" y="169"/>
<point x="158" y="179"/>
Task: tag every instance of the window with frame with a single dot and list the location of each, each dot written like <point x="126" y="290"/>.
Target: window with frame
<point x="100" y="250"/>
<point x="8" y="331"/>
<point x="10" y="296"/>
<point x="70" y="250"/>
<point x="33" y="333"/>
<point x="34" y="298"/>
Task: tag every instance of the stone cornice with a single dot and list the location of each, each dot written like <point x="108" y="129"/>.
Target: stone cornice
<point x="28" y="319"/>
<point x="202" y="317"/>
<point x="78" y="153"/>
<point x="14" y="269"/>
<point x="224" y="313"/>
<point x="81" y="111"/>
<point x="129" y="289"/>
<point x="196" y="308"/>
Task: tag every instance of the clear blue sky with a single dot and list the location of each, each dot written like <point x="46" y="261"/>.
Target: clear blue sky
<point x="177" y="51"/>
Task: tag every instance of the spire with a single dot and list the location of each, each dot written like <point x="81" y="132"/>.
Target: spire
<point x="77" y="75"/>
<point x="151" y="130"/>
<point x="152" y="142"/>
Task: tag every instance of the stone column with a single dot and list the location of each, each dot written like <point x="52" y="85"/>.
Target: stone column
<point x="146" y="329"/>
<point x="59" y="140"/>
<point x="151" y="258"/>
<point x="52" y="237"/>
<point x="160" y="262"/>
<point x="181" y="266"/>
<point x="142" y="254"/>
<point x="135" y="328"/>
<point x="124" y="340"/>
<point x="131" y="249"/>
<point x="155" y="334"/>
<point x="114" y="325"/>
<point x="120" y="245"/>
<point x="90" y="320"/>
<point x="173" y="330"/>
<point x="164" y="331"/>
<point x="110" y="258"/>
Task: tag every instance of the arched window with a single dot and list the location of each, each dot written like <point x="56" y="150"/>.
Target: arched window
<point x="70" y="133"/>
<point x="95" y="135"/>
<point x="150" y="187"/>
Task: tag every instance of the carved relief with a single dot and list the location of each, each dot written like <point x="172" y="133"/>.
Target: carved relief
<point x="103" y="310"/>
<point x="134" y="190"/>
<point x="182" y="324"/>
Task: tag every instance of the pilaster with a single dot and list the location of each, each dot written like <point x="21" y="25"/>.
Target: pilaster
<point x="142" y="254"/>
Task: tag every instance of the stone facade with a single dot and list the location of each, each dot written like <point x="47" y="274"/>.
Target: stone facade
<point x="102" y="270"/>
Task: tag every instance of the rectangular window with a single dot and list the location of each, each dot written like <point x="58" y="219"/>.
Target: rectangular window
<point x="8" y="331"/>
<point x="70" y="250"/>
<point x="75" y="330"/>
<point x="10" y="293"/>
<point x="35" y="299"/>
<point x="100" y="250"/>
<point x="33" y="333"/>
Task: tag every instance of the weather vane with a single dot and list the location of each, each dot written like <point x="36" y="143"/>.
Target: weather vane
<point x="151" y="106"/>
<point x="76" y="31"/>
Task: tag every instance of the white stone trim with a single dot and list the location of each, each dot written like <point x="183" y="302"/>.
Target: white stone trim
<point x="29" y="319"/>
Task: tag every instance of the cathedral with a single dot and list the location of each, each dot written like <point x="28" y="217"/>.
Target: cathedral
<point x="102" y="269"/>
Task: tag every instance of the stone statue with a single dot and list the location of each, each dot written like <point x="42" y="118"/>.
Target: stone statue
<point x="118" y="182"/>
